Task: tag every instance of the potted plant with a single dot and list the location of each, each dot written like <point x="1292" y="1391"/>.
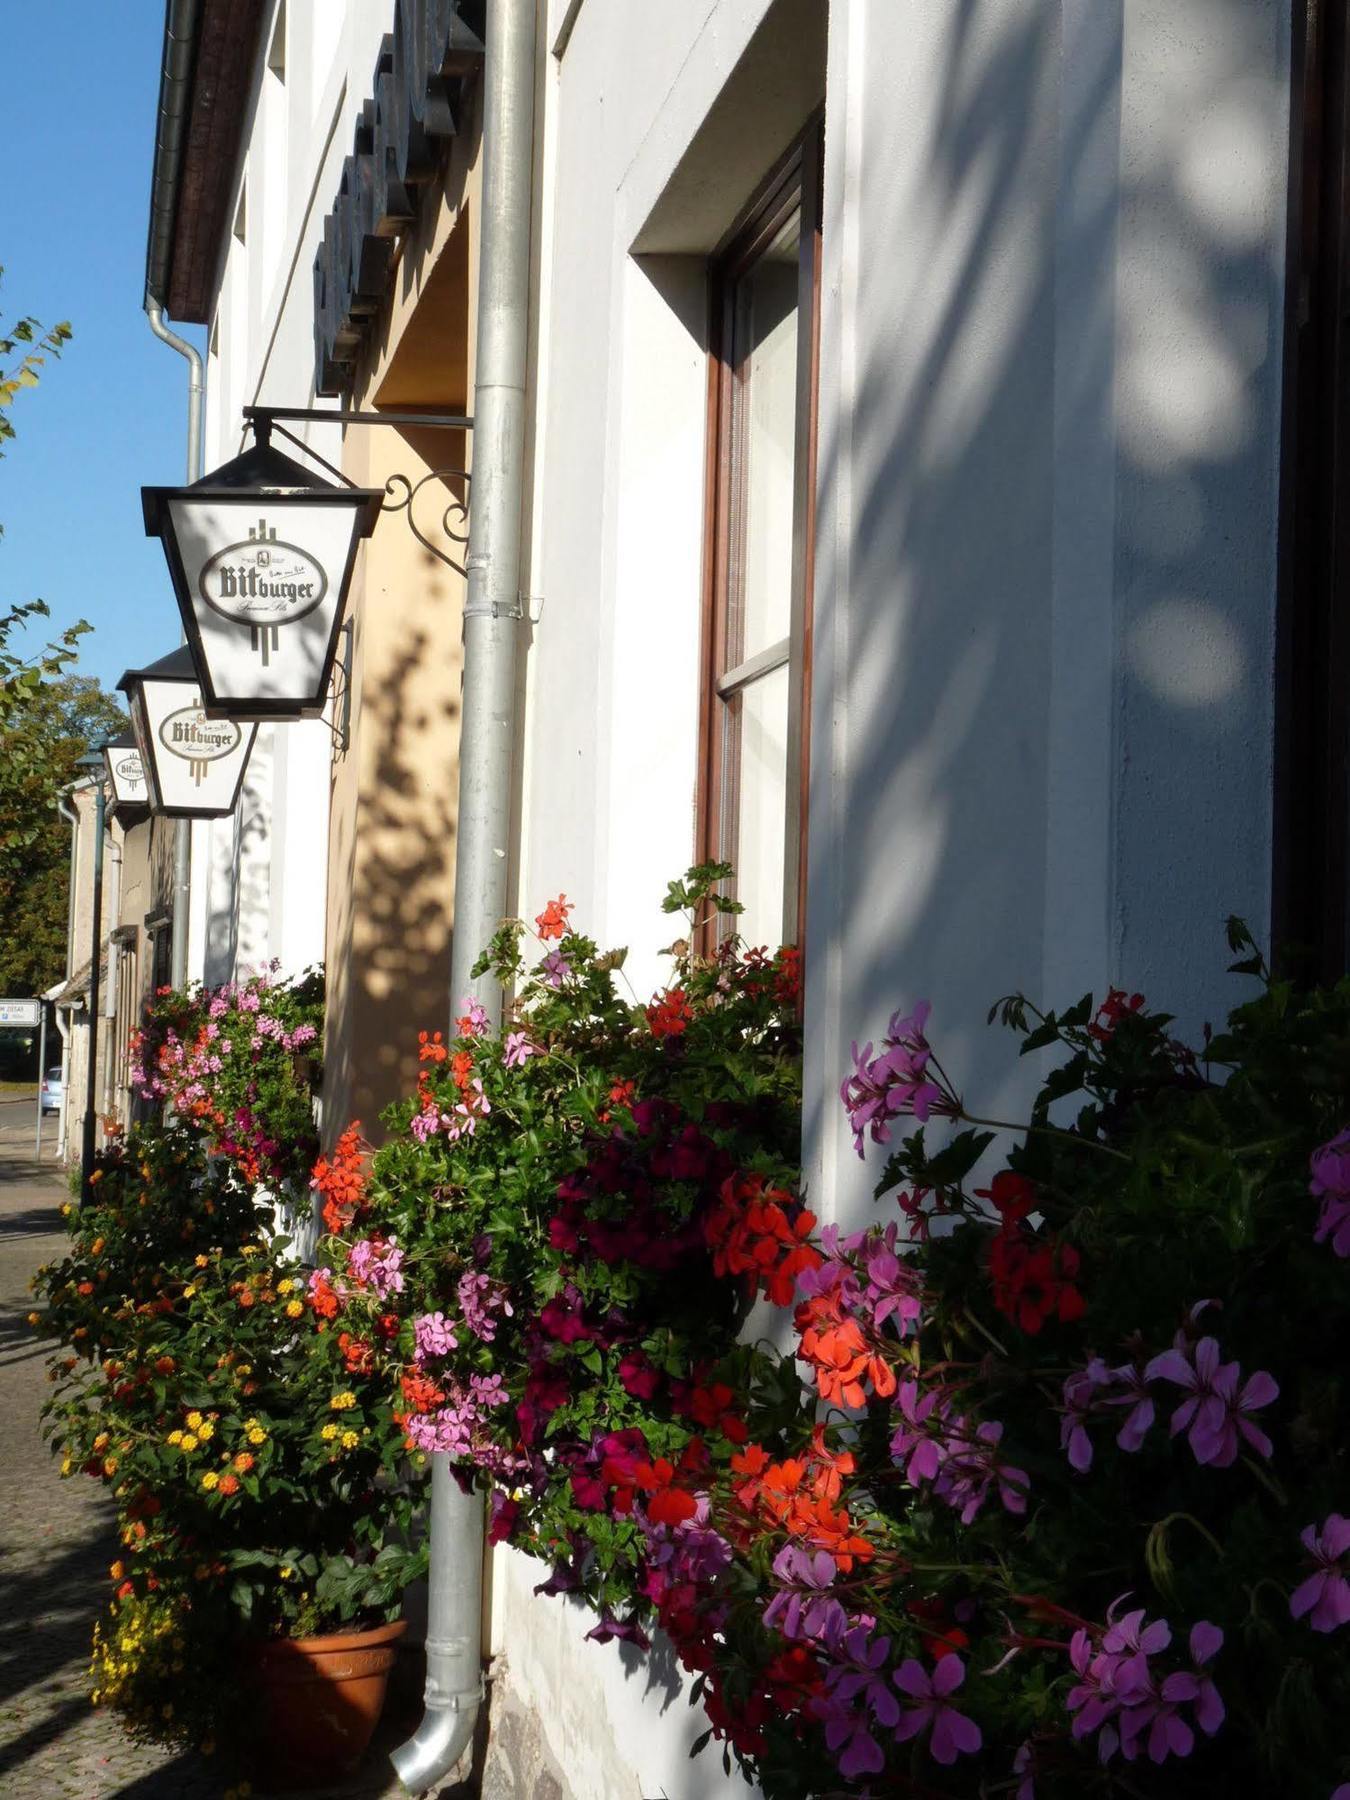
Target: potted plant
<point x="264" y="1501"/>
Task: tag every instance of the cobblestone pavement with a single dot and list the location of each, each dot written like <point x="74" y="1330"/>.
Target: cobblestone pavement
<point x="56" y="1542"/>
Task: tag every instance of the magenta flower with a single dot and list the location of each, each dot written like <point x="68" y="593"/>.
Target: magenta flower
<point x="1325" y="1595"/>
<point x="433" y="1335"/>
<point x="1331" y="1184"/>
<point x="953" y="1733"/>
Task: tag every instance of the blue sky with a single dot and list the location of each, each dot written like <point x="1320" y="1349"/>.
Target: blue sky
<point x="77" y="134"/>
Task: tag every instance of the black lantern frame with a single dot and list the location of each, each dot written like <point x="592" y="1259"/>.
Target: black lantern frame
<point x="152" y="693"/>
<point x="261" y="578"/>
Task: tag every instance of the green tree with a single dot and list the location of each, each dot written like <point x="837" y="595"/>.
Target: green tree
<point x="40" y="746"/>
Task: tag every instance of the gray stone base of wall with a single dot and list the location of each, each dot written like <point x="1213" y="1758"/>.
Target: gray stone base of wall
<point x="517" y="1762"/>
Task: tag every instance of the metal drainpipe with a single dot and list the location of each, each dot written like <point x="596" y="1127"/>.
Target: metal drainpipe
<point x="454" y="1686"/>
<point x="72" y="817"/>
<point x="182" y="835"/>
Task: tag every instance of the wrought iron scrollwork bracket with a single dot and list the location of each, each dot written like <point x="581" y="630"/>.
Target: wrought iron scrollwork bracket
<point x="401" y="491"/>
<point x="454" y="522"/>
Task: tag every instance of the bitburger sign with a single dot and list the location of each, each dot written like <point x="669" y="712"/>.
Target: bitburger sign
<point x="260" y="552"/>
<point x="421" y="72"/>
<point x="195" y="764"/>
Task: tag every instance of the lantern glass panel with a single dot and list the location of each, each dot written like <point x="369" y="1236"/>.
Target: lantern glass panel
<point x="127" y="772"/>
<point x="265" y="579"/>
<point x="196" y="762"/>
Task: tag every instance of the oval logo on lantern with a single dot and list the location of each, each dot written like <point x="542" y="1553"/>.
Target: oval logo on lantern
<point x="190" y="734"/>
<point x="262" y="581"/>
<point x="131" y="771"/>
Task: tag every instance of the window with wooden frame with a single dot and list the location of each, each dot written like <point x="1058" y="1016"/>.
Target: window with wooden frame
<point x="759" y="551"/>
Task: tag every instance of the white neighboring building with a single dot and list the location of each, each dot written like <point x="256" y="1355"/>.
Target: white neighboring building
<point x="925" y="510"/>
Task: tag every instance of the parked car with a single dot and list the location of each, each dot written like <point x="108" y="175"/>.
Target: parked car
<point x="51" y="1089"/>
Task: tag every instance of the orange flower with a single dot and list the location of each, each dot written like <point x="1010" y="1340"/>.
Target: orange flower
<point x="667" y="1504"/>
<point x="420" y="1391"/>
<point x="430" y="1048"/>
<point x="243" y="1462"/>
<point x="229" y="1484"/>
<point x="670" y="1013"/>
<point x="841" y="1358"/>
<point x="552" y="922"/>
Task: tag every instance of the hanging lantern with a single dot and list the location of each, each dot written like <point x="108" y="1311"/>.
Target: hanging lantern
<point x="126" y="771"/>
<point x="194" y="763"/>
<point x="261" y="553"/>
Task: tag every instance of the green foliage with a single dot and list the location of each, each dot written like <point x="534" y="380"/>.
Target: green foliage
<point x="566" y="1170"/>
<point x="40" y="746"/>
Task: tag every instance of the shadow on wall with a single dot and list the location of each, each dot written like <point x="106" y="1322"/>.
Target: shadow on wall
<point x="1045" y="581"/>
<point x="391" y="952"/>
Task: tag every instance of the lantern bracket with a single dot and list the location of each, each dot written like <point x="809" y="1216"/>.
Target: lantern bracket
<point x="263" y="420"/>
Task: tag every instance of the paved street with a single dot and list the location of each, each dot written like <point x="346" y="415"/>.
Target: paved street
<point x="55" y="1547"/>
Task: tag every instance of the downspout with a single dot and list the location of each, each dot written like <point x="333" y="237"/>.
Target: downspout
<point x="181" y="18"/>
<point x="182" y="832"/>
<point x="454" y="1686"/>
<point x="72" y="817"/>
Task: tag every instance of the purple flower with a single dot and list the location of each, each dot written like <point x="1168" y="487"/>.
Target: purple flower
<point x="848" y="1733"/>
<point x="473" y="1020"/>
<point x="482" y="1301"/>
<point x="1325" y="1595"/>
<point x="860" y="1674"/>
<point x="1216" y="1413"/>
<point x="883" y="1088"/>
<point x="1195" y="1686"/>
<point x="377" y="1265"/>
<point x="555" y="968"/>
<point x="953" y="1733"/>
<point x="517" y="1050"/>
<point x="1080" y="1393"/>
<point x="1024" y="1766"/>
<point x="804" y="1607"/>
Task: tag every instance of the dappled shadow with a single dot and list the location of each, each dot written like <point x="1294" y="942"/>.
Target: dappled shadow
<point x="1045" y="586"/>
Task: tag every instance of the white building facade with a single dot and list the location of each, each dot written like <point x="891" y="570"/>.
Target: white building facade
<point x="910" y="519"/>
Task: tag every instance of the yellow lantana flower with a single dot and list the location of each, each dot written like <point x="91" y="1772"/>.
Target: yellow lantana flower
<point x="188" y="1441"/>
<point x="341" y="1402"/>
<point x="328" y="1433"/>
<point x="350" y="1439"/>
<point x="206" y="1430"/>
<point x="284" y="1287"/>
<point x="194" y="1420"/>
<point x="210" y="1479"/>
<point x="294" y="1308"/>
<point x="257" y="1435"/>
<point x="175" y="1437"/>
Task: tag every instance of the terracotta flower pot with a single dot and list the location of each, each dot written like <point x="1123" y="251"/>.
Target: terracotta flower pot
<point x="319" y="1701"/>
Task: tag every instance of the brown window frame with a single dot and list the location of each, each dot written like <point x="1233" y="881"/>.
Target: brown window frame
<point x="1311" y="889"/>
<point x="794" y="184"/>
